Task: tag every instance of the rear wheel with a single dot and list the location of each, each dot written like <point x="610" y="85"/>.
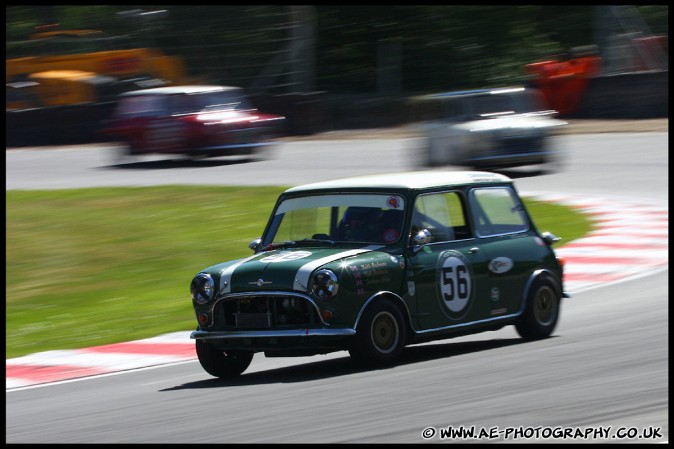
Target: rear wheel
<point x="380" y="335"/>
<point x="223" y="364"/>
<point x="541" y="312"/>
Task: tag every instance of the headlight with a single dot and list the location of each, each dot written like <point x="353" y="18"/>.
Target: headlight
<point x="324" y="284"/>
<point x="202" y="288"/>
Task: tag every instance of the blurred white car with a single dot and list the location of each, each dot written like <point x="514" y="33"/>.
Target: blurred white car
<point x="490" y="128"/>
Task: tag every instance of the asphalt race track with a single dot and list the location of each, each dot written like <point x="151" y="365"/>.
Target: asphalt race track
<point x="603" y="376"/>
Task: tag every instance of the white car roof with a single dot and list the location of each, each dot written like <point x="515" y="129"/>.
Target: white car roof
<point x="171" y="90"/>
<point x="407" y="180"/>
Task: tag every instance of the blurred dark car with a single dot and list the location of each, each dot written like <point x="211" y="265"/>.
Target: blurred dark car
<point x="197" y="121"/>
<point x="491" y="128"/>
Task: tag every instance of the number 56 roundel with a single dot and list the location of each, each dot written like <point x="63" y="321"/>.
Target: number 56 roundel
<point x="455" y="284"/>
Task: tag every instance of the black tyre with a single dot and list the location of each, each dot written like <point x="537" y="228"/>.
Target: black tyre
<point x="222" y="364"/>
<point x="541" y="313"/>
<point x="380" y="335"/>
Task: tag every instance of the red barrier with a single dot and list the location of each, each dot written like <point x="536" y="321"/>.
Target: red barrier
<point x="563" y="82"/>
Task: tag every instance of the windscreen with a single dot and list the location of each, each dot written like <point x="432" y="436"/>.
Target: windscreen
<point x="362" y="218"/>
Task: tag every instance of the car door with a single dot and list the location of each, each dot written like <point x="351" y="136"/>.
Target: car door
<point x="141" y="121"/>
<point x="511" y="248"/>
<point x="447" y="273"/>
<point x="163" y="131"/>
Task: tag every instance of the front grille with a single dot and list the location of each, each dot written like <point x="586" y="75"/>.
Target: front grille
<point x="252" y="320"/>
<point x="265" y="312"/>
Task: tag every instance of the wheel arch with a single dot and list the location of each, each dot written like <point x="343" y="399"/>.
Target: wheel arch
<point x="542" y="274"/>
<point x="395" y="299"/>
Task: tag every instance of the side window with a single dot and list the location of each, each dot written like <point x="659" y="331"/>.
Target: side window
<point x="181" y="104"/>
<point x="442" y="214"/>
<point x="497" y="211"/>
<point x="493" y="104"/>
<point x="451" y="109"/>
<point x="139" y="106"/>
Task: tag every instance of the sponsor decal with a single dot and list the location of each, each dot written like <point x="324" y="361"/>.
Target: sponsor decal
<point x="400" y="262"/>
<point x="358" y="280"/>
<point x="285" y="256"/>
<point x="498" y="311"/>
<point x="303" y="274"/>
<point x="500" y="265"/>
<point x="369" y="274"/>
<point x="455" y="283"/>
<point x="495" y="294"/>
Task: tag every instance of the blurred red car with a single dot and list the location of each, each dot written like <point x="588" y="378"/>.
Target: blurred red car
<point x="197" y="121"/>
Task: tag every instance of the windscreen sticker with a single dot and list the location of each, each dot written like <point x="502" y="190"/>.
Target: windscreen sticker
<point x="455" y="284"/>
<point x="391" y="235"/>
<point x="393" y="202"/>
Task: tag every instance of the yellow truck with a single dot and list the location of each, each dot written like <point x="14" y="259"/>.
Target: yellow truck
<point x="69" y="79"/>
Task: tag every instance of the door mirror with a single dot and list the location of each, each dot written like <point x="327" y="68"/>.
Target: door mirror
<point x="420" y="239"/>
<point x="550" y="238"/>
<point x="254" y="244"/>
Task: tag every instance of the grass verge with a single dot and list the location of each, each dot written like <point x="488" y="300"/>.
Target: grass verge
<point x="87" y="267"/>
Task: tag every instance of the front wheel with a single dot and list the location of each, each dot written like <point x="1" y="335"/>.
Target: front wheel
<point x="223" y="364"/>
<point x="380" y="335"/>
<point x="541" y="313"/>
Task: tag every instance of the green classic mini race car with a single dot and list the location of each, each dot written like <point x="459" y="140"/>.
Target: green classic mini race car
<point x="372" y="264"/>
